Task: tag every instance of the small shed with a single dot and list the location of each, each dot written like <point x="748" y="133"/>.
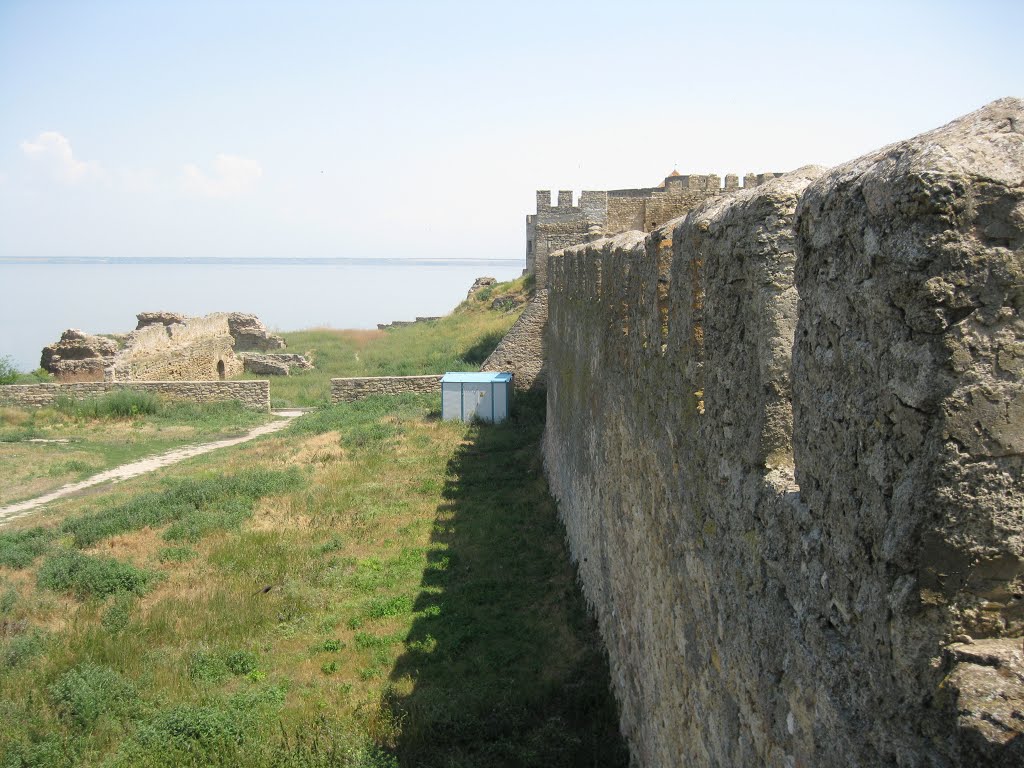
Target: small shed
<point x="486" y="396"/>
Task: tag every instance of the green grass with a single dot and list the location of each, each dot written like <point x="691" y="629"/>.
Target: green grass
<point x="44" y="448"/>
<point x="400" y="599"/>
<point x="460" y="341"/>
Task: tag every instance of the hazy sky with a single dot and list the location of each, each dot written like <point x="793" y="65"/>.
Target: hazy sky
<point x="219" y="128"/>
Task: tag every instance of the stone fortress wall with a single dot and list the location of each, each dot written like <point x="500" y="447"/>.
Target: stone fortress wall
<point x="786" y="434"/>
<point x="598" y="214"/>
<point x="252" y="394"/>
<point x="555" y="227"/>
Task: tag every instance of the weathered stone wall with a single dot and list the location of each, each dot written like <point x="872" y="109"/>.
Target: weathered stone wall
<point x="351" y="389"/>
<point x="252" y="394"/>
<point x="521" y="351"/>
<point x="200" y="349"/>
<point x="872" y="615"/>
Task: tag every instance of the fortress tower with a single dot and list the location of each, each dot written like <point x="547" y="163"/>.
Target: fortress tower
<point x="600" y="214"/>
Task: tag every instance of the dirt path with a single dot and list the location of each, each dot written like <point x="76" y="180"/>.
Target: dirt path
<point x="142" y="466"/>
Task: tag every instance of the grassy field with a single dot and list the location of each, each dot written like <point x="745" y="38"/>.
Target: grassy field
<point x="460" y="341"/>
<point x="370" y="587"/>
<point x="44" y="448"/>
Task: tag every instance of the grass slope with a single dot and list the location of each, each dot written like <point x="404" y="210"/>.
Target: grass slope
<point x="372" y="587"/>
<point x="460" y="341"/>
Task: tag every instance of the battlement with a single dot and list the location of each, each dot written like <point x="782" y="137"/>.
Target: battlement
<point x="597" y="213"/>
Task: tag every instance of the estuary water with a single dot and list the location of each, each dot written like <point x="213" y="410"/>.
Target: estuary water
<point x="39" y="299"/>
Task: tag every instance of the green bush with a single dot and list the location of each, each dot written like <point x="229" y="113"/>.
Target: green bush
<point x="188" y="735"/>
<point x="241" y="662"/>
<point x="20" y="648"/>
<point x="8" y="373"/>
<point x="207" y="666"/>
<point x="92" y="575"/>
<point x="84" y="693"/>
<point x="117" y="616"/>
<point x="18" y="549"/>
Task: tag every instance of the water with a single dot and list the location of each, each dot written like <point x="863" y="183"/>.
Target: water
<point x="39" y="300"/>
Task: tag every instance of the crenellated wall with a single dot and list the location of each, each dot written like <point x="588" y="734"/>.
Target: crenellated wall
<point x="786" y="434"/>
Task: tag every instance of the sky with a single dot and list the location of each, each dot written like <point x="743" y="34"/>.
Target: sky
<point x="399" y="129"/>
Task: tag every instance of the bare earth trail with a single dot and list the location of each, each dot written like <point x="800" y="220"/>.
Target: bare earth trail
<point x="142" y="466"/>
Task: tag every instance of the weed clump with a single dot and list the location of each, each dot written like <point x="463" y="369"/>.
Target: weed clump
<point x="20" y="649"/>
<point x="122" y="404"/>
<point x="88" y="691"/>
<point x="92" y="575"/>
<point x="18" y="549"/>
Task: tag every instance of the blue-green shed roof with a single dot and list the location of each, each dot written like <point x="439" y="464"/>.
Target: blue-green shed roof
<point x="474" y="377"/>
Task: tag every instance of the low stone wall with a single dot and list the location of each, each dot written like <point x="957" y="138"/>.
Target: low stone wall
<point x="252" y="394"/>
<point x="350" y="390"/>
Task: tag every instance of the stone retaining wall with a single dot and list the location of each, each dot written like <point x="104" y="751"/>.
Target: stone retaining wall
<point x="859" y="332"/>
<point x="351" y="389"/>
<point x="252" y="394"/>
<point x="521" y="351"/>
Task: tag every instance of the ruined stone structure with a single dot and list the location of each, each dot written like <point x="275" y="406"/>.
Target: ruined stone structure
<point x="599" y="214"/>
<point x="786" y="434"/>
<point x="165" y="346"/>
<point x="277" y="364"/>
<point x="251" y="394"/>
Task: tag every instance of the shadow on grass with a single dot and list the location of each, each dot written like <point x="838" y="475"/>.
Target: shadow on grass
<point x="506" y="667"/>
<point x="481" y="350"/>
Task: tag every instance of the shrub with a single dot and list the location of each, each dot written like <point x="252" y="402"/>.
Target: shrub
<point x="84" y="693"/>
<point x="119" y="613"/>
<point x="190" y="735"/>
<point x="206" y="666"/>
<point x="241" y="662"/>
<point x="90" y="575"/>
<point x="20" y="649"/>
<point x="18" y="549"/>
<point x="8" y="373"/>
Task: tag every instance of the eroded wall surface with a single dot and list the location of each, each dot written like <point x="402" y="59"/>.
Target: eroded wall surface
<point x="785" y="433"/>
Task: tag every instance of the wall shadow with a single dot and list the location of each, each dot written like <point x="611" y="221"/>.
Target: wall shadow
<point x="504" y="667"/>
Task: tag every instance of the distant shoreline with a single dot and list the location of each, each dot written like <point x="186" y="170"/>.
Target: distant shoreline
<point x="259" y="262"/>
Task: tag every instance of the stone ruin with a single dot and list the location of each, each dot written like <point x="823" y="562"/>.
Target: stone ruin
<point x="169" y="346"/>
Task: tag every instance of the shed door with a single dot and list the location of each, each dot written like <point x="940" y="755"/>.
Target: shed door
<point x="451" y="401"/>
<point x="476" y="402"/>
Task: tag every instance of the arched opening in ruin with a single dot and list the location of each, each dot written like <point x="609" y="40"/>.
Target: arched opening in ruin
<point x="220" y="370"/>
